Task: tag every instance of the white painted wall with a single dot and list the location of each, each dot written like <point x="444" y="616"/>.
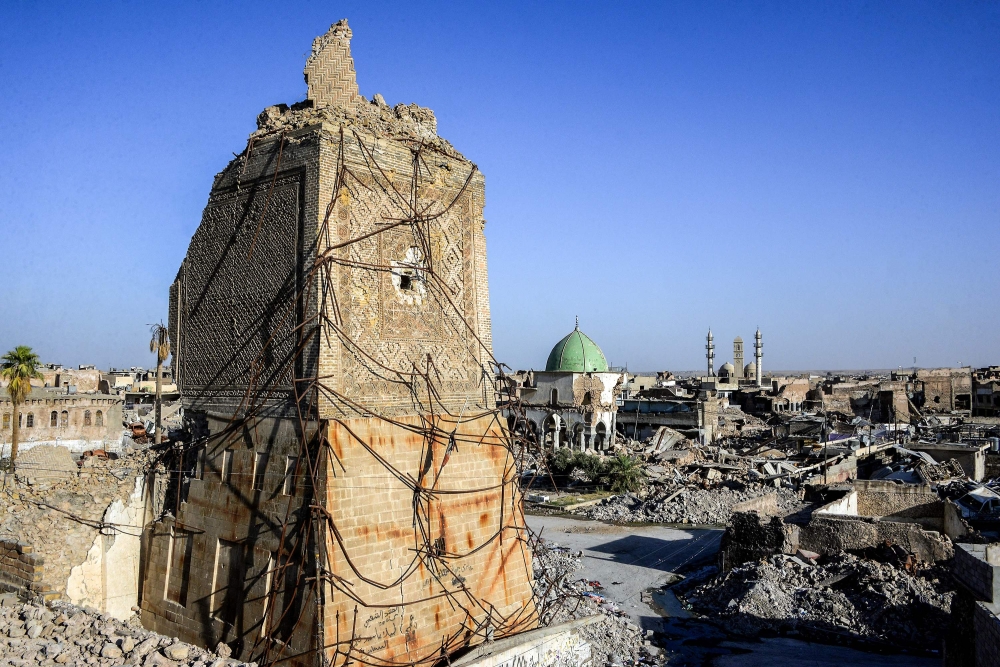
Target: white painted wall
<point x="108" y="579"/>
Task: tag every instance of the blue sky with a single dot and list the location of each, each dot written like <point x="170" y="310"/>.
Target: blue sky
<point x="829" y="172"/>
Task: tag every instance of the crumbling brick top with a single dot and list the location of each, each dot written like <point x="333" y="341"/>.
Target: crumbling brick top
<point x="401" y="122"/>
<point x="333" y="97"/>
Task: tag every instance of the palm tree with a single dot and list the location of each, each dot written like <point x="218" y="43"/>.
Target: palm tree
<point x="159" y="343"/>
<point x="19" y="367"/>
<point x="626" y="474"/>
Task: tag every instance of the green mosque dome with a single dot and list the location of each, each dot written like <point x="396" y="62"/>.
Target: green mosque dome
<point x="577" y="353"/>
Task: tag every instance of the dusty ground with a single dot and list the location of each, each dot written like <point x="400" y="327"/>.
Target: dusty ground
<point x="639" y="558"/>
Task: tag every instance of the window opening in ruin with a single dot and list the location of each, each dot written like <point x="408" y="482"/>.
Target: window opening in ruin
<point x="175" y="587"/>
<point x="31" y="420"/>
<point x="587" y="399"/>
<point x="6" y="420"/>
<point x="259" y="466"/>
<point x="285" y="597"/>
<point x="64" y="418"/>
<point x="54" y="419"/>
<point x="86" y="418"/>
<point x="288" y="487"/>
<point x="405" y="282"/>
<point x="99" y="418"/>
<point x="555" y="397"/>
<point x="227" y="584"/>
<point x="20" y="419"/>
<point x="226" y="471"/>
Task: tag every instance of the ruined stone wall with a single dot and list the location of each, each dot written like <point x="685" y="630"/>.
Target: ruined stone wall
<point x="443" y="567"/>
<point x="84" y="380"/>
<point x="829" y="534"/>
<point x="886" y="499"/>
<point x="942" y="385"/>
<point x="81" y="526"/>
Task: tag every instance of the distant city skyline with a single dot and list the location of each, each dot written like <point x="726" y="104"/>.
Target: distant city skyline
<point x="827" y="173"/>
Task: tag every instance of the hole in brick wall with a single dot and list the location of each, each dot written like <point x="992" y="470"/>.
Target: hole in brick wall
<point x="405" y="282"/>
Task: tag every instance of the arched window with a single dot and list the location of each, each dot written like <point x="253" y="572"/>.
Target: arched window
<point x="99" y="418"/>
<point x="554" y="398"/>
<point x="86" y="418"/>
<point x="64" y="418"/>
<point x="587" y="400"/>
<point x="54" y="419"/>
<point x="31" y="420"/>
<point x="6" y="420"/>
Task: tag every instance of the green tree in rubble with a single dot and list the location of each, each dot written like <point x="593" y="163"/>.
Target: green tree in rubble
<point x="18" y="367"/>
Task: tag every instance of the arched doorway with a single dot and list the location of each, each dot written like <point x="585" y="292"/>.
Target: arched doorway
<point x="600" y="436"/>
<point x="550" y="429"/>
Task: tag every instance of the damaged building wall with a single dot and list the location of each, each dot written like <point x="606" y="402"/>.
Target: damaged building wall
<point x="337" y="287"/>
<point x="76" y="421"/>
<point x="77" y="529"/>
<point x="108" y="579"/>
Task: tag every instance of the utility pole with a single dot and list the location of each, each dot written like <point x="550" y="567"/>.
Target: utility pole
<point x="826" y="456"/>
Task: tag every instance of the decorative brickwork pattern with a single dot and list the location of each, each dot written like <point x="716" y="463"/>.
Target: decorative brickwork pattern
<point x="330" y="69"/>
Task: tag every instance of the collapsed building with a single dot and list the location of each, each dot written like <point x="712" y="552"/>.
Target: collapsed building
<point x="345" y="490"/>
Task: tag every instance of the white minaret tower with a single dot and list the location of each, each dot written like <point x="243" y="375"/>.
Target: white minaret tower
<point x="758" y="355"/>
<point x="710" y="354"/>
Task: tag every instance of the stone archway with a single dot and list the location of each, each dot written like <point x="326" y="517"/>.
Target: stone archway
<point x="551" y="428"/>
<point x="600" y="436"/>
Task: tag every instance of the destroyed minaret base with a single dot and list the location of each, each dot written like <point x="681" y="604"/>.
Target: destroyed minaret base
<point x="350" y="492"/>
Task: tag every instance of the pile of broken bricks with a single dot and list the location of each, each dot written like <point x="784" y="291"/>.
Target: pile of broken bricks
<point x="32" y="633"/>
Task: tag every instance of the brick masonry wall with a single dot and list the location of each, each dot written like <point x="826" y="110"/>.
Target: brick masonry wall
<point x="987" y="627"/>
<point x="473" y="567"/>
<point x="21" y="570"/>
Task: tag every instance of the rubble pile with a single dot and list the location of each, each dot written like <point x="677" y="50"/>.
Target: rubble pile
<point x="846" y="595"/>
<point x="687" y="504"/>
<point x="615" y="640"/>
<point x="62" y="634"/>
<point x="59" y="514"/>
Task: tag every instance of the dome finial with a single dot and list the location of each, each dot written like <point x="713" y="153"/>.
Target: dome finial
<point x="577" y="327"/>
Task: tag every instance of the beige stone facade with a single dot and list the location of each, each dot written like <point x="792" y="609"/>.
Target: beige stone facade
<point x="76" y="421"/>
<point x="351" y="492"/>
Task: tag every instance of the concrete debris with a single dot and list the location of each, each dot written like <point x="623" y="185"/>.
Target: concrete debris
<point x="63" y="634"/>
<point x="690" y="505"/>
<point x="560" y="597"/>
<point x="844" y="597"/>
